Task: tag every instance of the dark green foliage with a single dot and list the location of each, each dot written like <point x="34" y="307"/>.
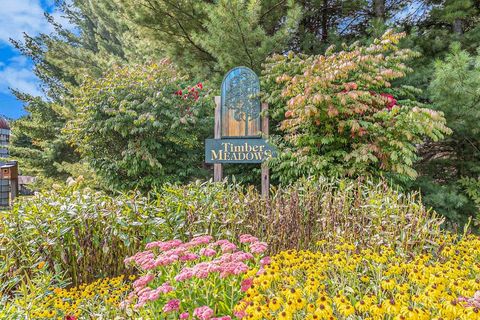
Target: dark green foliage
<point x="433" y="33"/>
<point x="36" y="142"/>
<point x="61" y="62"/>
<point x="451" y="168"/>
<point x="208" y="38"/>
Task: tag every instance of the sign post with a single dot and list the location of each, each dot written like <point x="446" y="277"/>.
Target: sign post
<point x="265" y="169"/>
<point x="239" y="126"/>
<point x="217" y="167"/>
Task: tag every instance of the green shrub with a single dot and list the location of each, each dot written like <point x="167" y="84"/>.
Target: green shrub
<point x="141" y="126"/>
<point x="338" y="113"/>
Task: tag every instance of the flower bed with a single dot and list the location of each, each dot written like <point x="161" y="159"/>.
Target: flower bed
<point x="98" y="298"/>
<point x="203" y="279"/>
<point x="346" y="283"/>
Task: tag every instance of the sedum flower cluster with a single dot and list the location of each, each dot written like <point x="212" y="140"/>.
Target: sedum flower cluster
<point x="348" y="283"/>
<point x="199" y="279"/>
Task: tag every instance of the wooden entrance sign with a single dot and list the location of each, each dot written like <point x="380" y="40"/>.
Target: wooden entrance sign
<point x="239" y="126"/>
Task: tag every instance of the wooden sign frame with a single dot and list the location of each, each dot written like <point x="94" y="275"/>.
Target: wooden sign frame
<point x="218" y="167"/>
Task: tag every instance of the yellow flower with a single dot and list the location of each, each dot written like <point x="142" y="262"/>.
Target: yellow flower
<point x="312" y="285"/>
<point x="388" y="284"/>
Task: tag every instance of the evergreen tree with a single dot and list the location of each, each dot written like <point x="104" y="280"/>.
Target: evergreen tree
<point x="37" y="143"/>
<point x="442" y="22"/>
<point x="451" y="168"/>
<point x="206" y="38"/>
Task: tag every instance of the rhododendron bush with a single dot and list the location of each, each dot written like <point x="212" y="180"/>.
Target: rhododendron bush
<point x="341" y="114"/>
<point x="201" y="278"/>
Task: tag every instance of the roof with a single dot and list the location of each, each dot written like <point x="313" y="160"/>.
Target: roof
<point x="9" y="164"/>
<point x="4" y="124"/>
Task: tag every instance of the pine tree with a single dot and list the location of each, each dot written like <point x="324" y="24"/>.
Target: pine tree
<point x="451" y="168"/>
<point x="206" y="38"/>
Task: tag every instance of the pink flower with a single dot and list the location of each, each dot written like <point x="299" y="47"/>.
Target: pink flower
<point x="200" y="85"/>
<point x="260" y="271"/>
<point x="391" y="101"/>
<point x="165" y="260"/>
<point x="248" y="238"/>
<point x="220" y="242"/>
<point x="185" y="274"/>
<point x="172" y="305"/>
<point x="164" y="246"/>
<point x="207" y="252"/>
<point x="188" y="257"/>
<point x="265" y="261"/>
<point x="153" y="295"/>
<point x="258" y="247"/>
<point x="142" y="281"/>
<point x="222" y="318"/>
<point x="476" y="296"/>
<point x="240" y="314"/>
<point x="232" y="268"/>
<point x="165" y="288"/>
<point x="228" y="247"/>
<point x="202" y="239"/>
<point x="144" y="259"/>
<point x="203" y="313"/>
<point x="472" y="302"/>
<point x="246" y="284"/>
<point x="179" y="92"/>
<point x="184" y="315"/>
<point x="240" y="256"/>
<point x="203" y="269"/>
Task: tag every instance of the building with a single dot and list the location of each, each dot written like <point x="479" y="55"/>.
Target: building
<point x="4" y="137"/>
<point x="8" y="183"/>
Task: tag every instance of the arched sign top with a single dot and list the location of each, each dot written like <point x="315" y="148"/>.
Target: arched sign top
<point x="240" y="104"/>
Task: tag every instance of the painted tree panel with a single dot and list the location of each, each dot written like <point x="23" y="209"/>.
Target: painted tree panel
<point x="240" y="104"/>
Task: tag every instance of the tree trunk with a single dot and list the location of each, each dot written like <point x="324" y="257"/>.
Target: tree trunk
<point x="379" y="9"/>
<point x="325" y="21"/>
<point x="458" y="26"/>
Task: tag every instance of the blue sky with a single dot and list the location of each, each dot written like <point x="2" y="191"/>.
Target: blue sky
<point x="16" y="17"/>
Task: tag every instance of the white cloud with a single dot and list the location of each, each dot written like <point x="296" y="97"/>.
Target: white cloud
<point x="16" y="73"/>
<point x="18" y="16"/>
